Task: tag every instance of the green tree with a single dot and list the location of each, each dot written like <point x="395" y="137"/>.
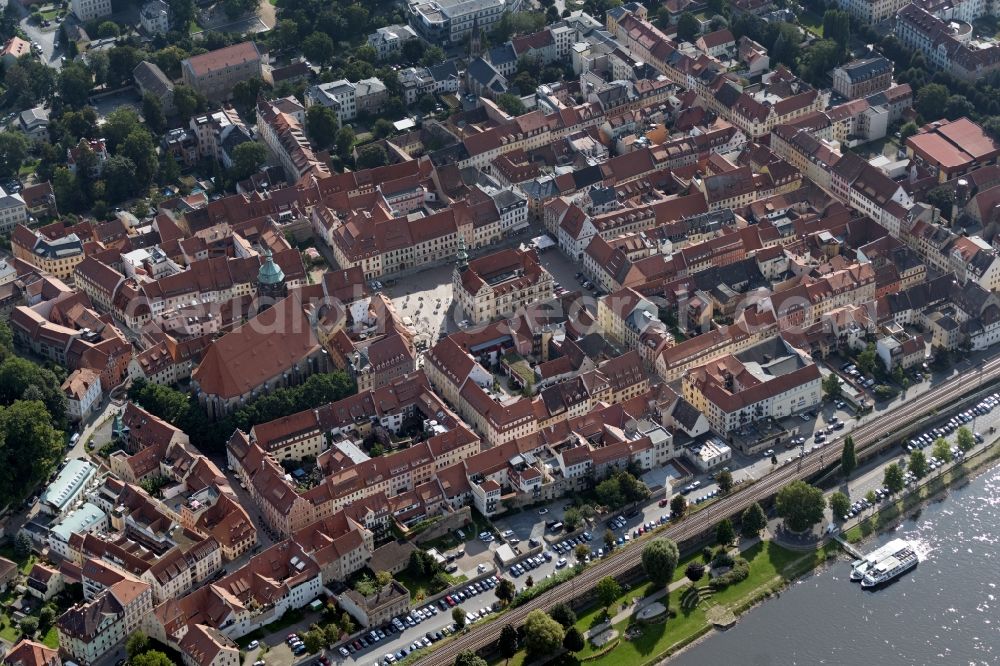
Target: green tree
<point x="511" y="104"/>
<point x="931" y="101"/>
<point x="248" y="157"/>
<point x="137" y="643"/>
<point x="871" y="497"/>
<point x="13" y="151"/>
<point x="848" y="457"/>
<point x="236" y="8"/>
<point x="509" y="641"/>
<point x="22" y="546"/>
<point x="318" y="47"/>
<point x="30" y="448"/>
<point x="119" y="124"/>
<point x="543" y="636"/>
<point x="122" y="61"/>
<point x="433" y="55"/>
<point x="609" y="539"/>
<point x="345" y="141"/>
<point x="458" y="617"/>
<point x="46" y="616"/>
<point x="426" y="103"/>
<point x="245" y="94"/>
<point x="966" y="440"/>
<point x="957" y="107"/>
<point x="837" y="26"/>
<point x="573" y="640"/>
<point x="75" y="125"/>
<point x="346" y="623"/>
<point x="942" y="450"/>
<point x="571" y="519"/>
<point x="893" y="478"/>
<point x="659" y="559"/>
<point x="152" y="112"/>
<point x="332" y="633"/>
<point x="819" y="59"/>
<point x="108" y="29"/>
<point x="918" y="463"/>
<point x="181" y="14"/>
<point x="678" y="505"/>
<point x="581" y="552"/>
<point x="840" y="504"/>
<point x="119" y="176"/>
<point x="801" y="505"/>
<point x="75" y="83"/>
<point x="382" y="128"/>
<point x="609" y="493"/>
<point x="907" y="130"/>
<point x="141" y="149"/>
<point x="383" y="578"/>
<point x="187" y="102"/>
<point x="152" y="658"/>
<point x="469" y="658"/>
<point x="724" y="532"/>
<point x="70" y="197"/>
<point x="753" y="521"/>
<point x="831" y="386"/>
<point x="725" y="481"/>
<point x="688" y="27"/>
<point x="28" y="626"/>
<point x="413" y="50"/>
<point x="694" y="571"/>
<point x="563" y="614"/>
<point x="608" y="591"/>
<point x="315" y="640"/>
<point x="28" y="82"/>
<point x="505" y="590"/>
<point x="372" y="156"/>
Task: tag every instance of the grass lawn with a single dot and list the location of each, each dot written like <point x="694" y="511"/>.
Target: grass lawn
<point x="28" y="168"/>
<point x="24" y="564"/>
<point x="420" y="587"/>
<point x="9" y="633"/>
<point x="812" y="22"/>
<point x="770" y="566"/>
<point x="193" y="27"/>
<point x="51" y="638"/>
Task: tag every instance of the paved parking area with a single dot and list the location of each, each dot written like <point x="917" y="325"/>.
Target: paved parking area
<point x="529" y="523"/>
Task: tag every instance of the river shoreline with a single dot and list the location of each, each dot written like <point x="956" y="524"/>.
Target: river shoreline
<point x="934" y="490"/>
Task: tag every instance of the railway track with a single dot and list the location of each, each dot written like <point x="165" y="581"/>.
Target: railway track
<point x="867" y="436"/>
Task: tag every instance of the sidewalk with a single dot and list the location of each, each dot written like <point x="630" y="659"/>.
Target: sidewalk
<point x="626" y="613"/>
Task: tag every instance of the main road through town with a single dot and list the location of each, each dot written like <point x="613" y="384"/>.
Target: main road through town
<point x="866" y="438"/>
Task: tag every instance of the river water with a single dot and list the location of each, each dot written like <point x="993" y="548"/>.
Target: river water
<point x="944" y="612"/>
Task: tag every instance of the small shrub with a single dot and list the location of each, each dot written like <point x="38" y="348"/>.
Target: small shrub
<point x="739" y="573"/>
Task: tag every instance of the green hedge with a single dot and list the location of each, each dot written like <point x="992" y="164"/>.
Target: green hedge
<point x="740" y="572"/>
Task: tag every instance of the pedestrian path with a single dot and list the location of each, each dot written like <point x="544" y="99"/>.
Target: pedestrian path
<point x="626" y="613"/>
<point x="854" y="552"/>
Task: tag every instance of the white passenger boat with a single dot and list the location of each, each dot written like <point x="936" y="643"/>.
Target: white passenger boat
<point x="860" y="567"/>
<point x="890" y="568"/>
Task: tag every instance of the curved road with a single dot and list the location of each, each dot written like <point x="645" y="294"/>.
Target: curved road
<point x="866" y="437"/>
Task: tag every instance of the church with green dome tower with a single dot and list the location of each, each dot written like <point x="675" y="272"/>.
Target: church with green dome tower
<point x="271" y="286"/>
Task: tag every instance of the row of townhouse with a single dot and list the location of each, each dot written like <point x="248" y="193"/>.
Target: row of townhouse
<point x="946" y="44"/>
<point x="455" y="367"/>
